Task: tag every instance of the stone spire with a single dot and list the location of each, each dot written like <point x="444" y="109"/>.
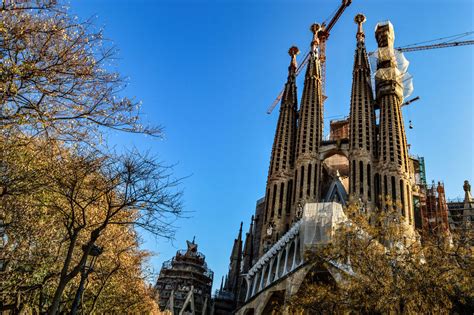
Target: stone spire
<point x="467" y="193"/>
<point x="392" y="146"/>
<point x="442" y="213"/>
<point x="468" y="211"/>
<point x="237" y="249"/>
<point x="234" y="266"/>
<point x="282" y="158"/>
<point x="362" y="123"/>
<point x="310" y="129"/>
<point x="280" y="181"/>
<point x="248" y="249"/>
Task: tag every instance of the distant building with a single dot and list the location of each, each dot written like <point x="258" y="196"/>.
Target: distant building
<point x="185" y="282"/>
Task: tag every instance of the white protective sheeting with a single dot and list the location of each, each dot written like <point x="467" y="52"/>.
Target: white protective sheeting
<point x="320" y="221"/>
<point x="400" y="74"/>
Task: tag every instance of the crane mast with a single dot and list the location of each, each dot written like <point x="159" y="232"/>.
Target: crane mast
<point x="323" y="36"/>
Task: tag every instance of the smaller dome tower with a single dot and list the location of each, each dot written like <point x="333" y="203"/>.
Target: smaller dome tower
<point x="185" y="282"/>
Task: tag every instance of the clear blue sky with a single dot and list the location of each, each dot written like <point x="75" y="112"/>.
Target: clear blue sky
<point x="207" y="70"/>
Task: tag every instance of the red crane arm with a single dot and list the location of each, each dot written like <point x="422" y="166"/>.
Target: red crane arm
<point x="344" y="5"/>
<point x="323" y="35"/>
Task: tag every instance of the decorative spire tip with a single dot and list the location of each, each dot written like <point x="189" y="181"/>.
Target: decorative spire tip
<point x="315" y="28"/>
<point x="359" y="19"/>
<point x="293" y="52"/>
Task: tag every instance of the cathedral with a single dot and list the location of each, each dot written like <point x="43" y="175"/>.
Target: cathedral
<point x="365" y="160"/>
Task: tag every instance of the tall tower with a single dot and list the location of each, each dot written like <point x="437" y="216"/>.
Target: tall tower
<point x="234" y="266"/>
<point x="362" y="136"/>
<point x="310" y="128"/>
<point x="392" y="147"/>
<point x="185" y="282"/>
<point x="280" y="175"/>
<point x="247" y="255"/>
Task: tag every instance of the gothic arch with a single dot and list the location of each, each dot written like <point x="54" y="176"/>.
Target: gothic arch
<point x="329" y="150"/>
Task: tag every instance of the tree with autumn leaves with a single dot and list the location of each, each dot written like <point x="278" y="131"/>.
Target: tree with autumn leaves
<point x="376" y="265"/>
<point x="62" y="191"/>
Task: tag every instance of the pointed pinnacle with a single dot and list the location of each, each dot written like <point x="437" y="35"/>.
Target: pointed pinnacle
<point x="466" y="186"/>
<point x="315" y="28"/>
<point x="293" y="51"/>
<point x="359" y="19"/>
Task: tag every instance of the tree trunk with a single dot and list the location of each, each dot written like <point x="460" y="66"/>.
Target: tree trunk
<point x="65" y="276"/>
<point x="63" y="279"/>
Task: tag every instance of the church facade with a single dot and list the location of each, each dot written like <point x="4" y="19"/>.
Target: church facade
<point x="365" y="159"/>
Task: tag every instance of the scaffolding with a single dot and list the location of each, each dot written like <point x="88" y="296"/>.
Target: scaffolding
<point x="421" y="160"/>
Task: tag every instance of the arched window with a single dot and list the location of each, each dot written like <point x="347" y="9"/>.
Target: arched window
<point x="291" y="254"/>
<point x="280" y="205"/>
<point x="377" y="189"/>
<point x="289" y="191"/>
<point x="275" y="187"/>
<point x="267" y="201"/>
<point x="296" y="184"/>
<point x="243" y="291"/>
<point x="353" y="177"/>
<point x="281" y="269"/>
<point x="265" y="275"/>
<point x="315" y="186"/>
<point x="402" y="197"/>
<point x="369" y="184"/>
<point x="298" y="253"/>
<point x="308" y="182"/>
<point x="394" y="191"/>
<point x="274" y="269"/>
<point x="301" y="181"/>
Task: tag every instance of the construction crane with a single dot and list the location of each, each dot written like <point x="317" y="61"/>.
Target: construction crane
<point x="408" y="48"/>
<point x="323" y="36"/>
<point x="415" y="47"/>
<point x="411" y="101"/>
<point x="435" y="46"/>
<point x="411" y="48"/>
<point x="410" y="123"/>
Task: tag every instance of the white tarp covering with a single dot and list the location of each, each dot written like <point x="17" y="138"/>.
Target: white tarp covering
<point x="317" y="225"/>
<point x="400" y="74"/>
<point x="320" y="220"/>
